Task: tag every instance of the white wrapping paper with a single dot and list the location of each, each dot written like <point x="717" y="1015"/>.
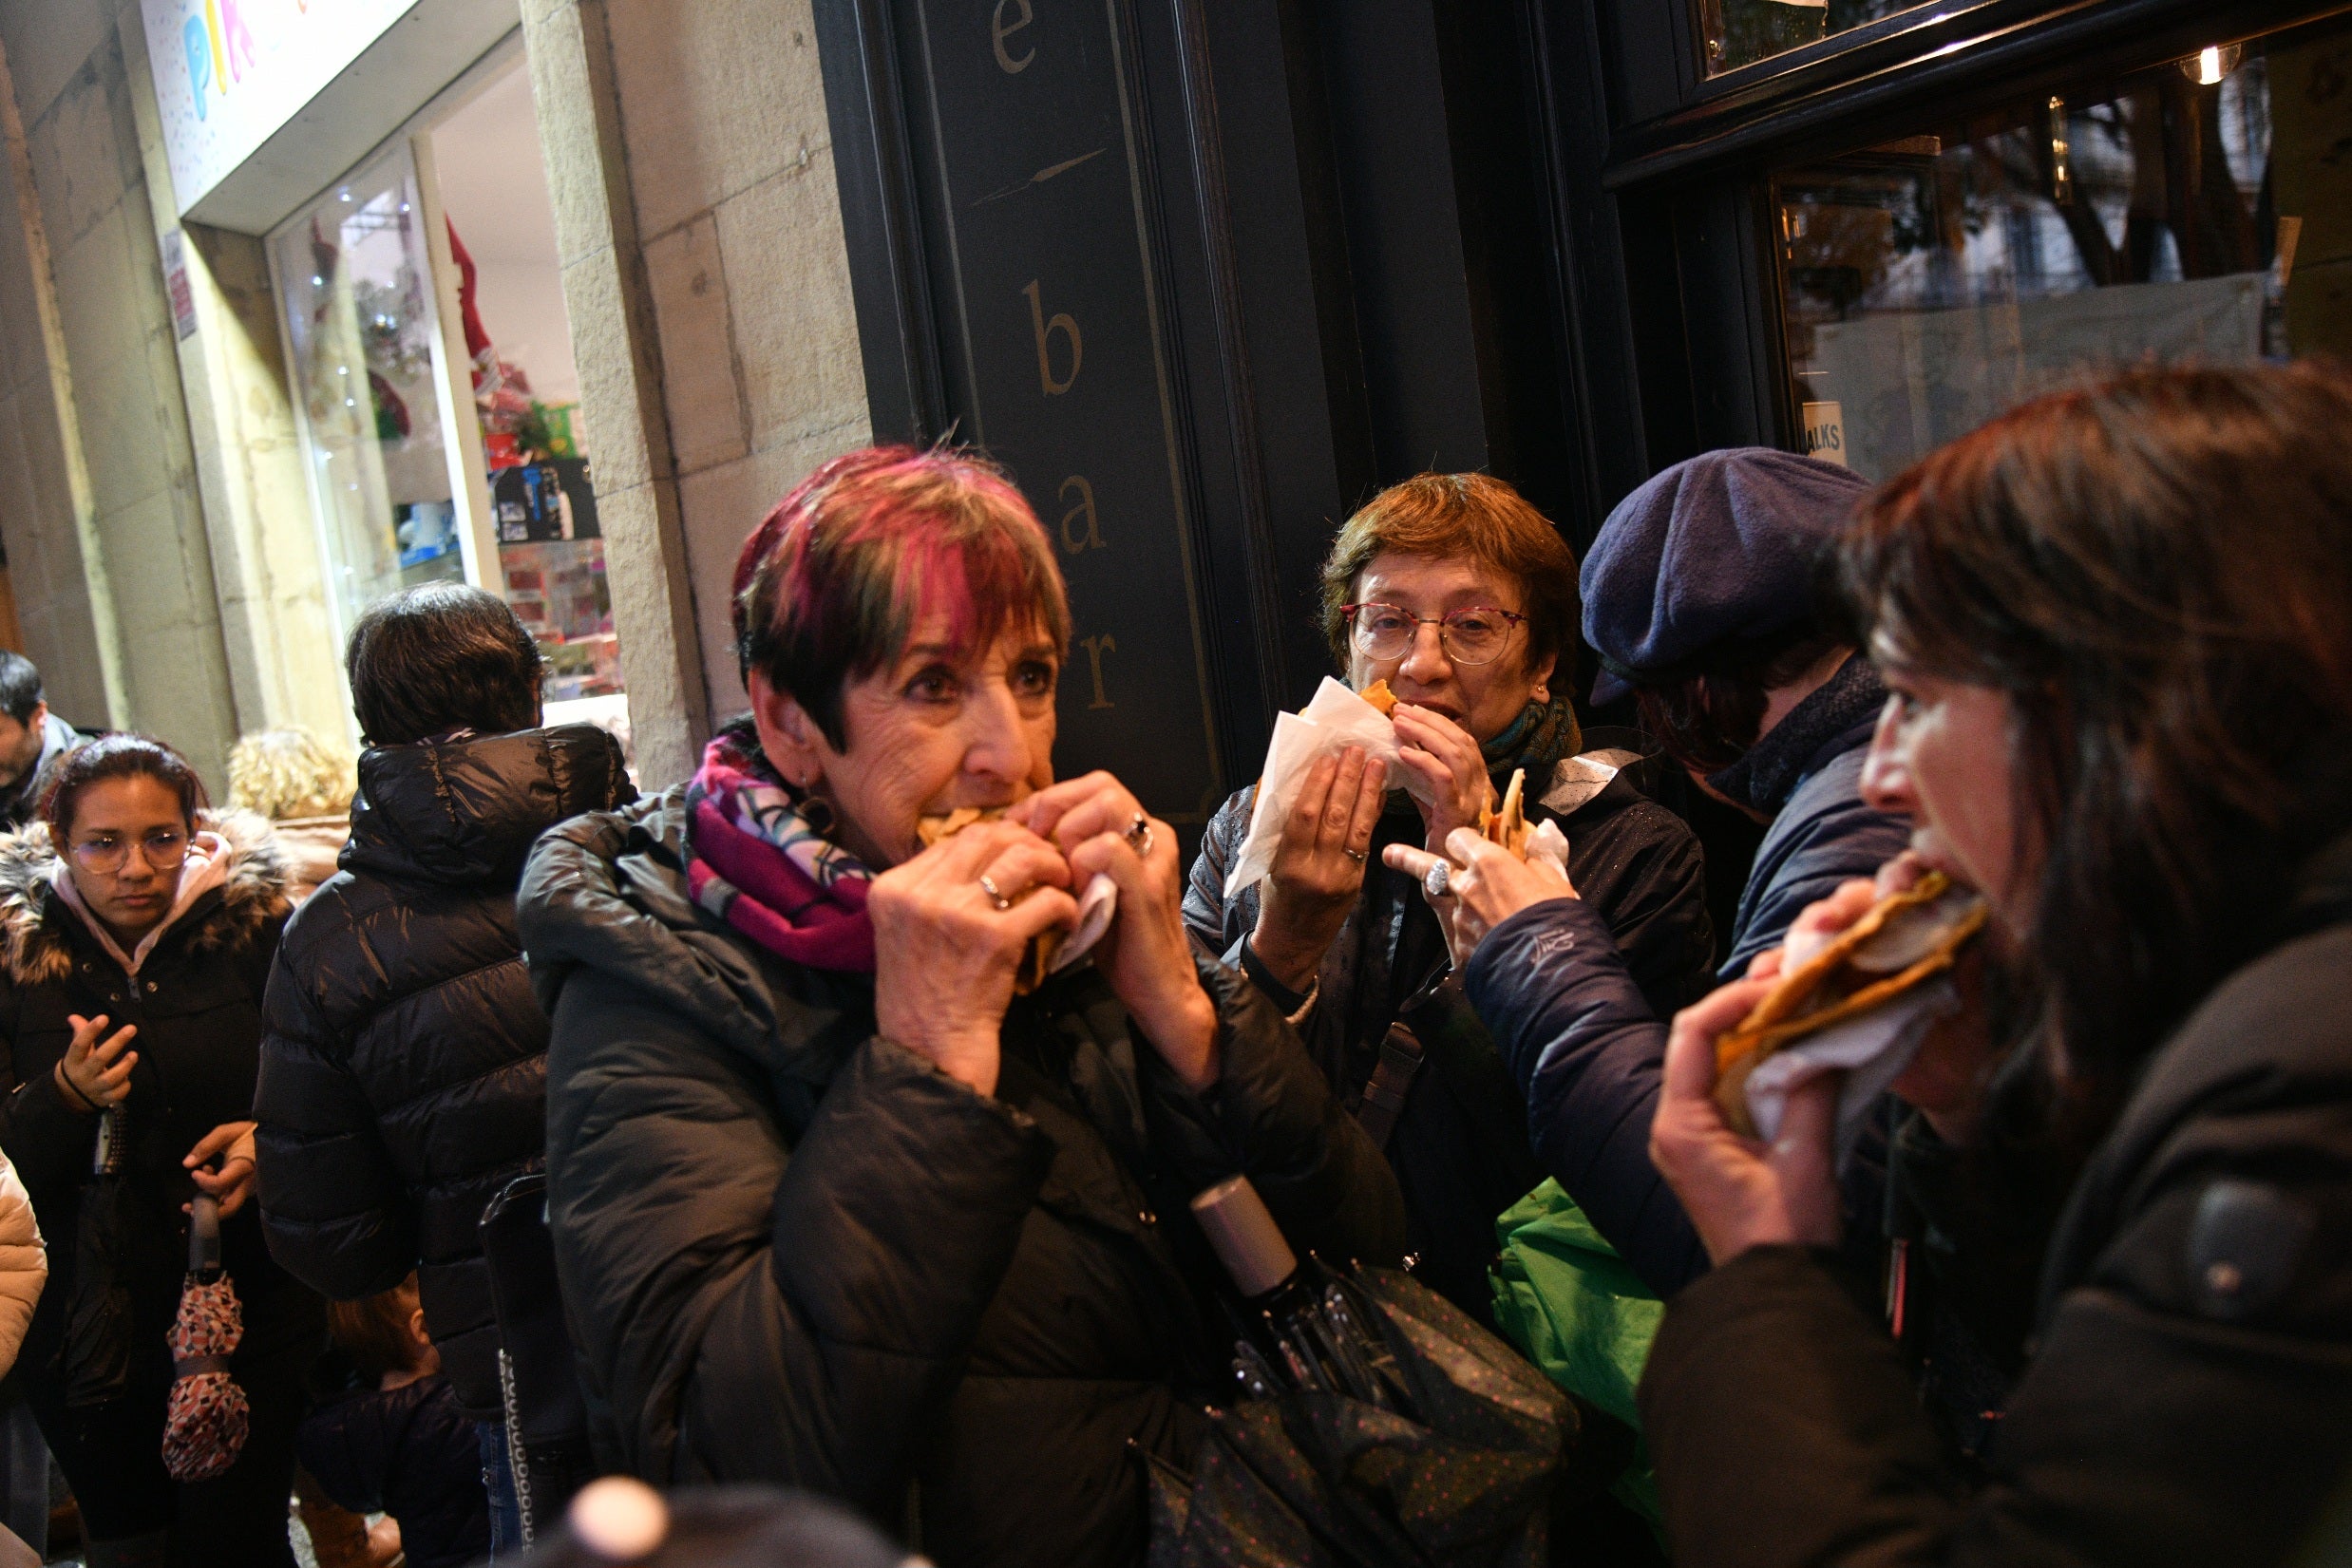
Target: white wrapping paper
<point x="1871" y="1051"/>
<point x="1334" y="720"/>
<point x="1096" y="905"/>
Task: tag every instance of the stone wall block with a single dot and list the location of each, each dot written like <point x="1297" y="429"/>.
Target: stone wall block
<point x="701" y="381"/>
<point x="97" y="303"/>
<point x="789" y="283"/>
<point x="717" y="98"/>
<point x="123" y="433"/>
<point x="50" y="42"/>
<point x="570" y="138"/>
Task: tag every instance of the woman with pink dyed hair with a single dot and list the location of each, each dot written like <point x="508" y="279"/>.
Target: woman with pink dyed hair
<point x="839" y="1200"/>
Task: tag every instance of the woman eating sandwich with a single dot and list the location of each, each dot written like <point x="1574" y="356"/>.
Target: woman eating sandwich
<point x="2117" y="626"/>
<point x="844" y="1194"/>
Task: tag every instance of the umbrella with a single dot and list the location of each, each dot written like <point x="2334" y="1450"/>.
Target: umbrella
<point x="205" y="1417"/>
<point x="1377" y="1423"/>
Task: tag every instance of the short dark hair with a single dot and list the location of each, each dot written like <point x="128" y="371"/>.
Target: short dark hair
<point x="118" y="756"/>
<point x="1706" y="714"/>
<point x="437" y="657"/>
<point x="20" y="686"/>
<point x="373" y="1330"/>
<point x="831" y="584"/>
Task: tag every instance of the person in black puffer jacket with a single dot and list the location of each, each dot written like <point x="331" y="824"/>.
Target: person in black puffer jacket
<point x="404" y="1073"/>
<point x="832" y="1206"/>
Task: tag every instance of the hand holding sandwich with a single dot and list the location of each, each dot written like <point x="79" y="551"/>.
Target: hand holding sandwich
<point x="1485" y="884"/>
<point x="945" y="956"/>
<point x="1146" y="955"/>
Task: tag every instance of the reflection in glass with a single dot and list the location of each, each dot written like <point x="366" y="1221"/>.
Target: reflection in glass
<point x="1739" y="32"/>
<point x="359" y="319"/>
<point x="2190" y="210"/>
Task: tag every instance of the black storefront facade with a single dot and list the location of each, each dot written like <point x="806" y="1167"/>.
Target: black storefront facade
<point x="1205" y="275"/>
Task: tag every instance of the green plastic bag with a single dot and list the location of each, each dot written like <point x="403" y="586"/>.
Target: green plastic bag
<point x="1575" y="1309"/>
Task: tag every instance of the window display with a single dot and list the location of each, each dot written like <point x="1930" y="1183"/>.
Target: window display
<point x="2188" y="211"/>
<point x="357" y="290"/>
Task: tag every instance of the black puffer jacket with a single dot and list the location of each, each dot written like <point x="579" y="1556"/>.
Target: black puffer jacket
<point x="196" y="1003"/>
<point x="2188" y="1400"/>
<point x="1460" y="1147"/>
<point x="793" y="1250"/>
<point x="404" y="1078"/>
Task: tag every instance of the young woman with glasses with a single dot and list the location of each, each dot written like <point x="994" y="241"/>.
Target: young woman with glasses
<point x="1462" y="597"/>
<point x="131" y="974"/>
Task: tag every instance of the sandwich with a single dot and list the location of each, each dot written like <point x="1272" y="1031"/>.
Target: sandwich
<point x="1506" y="824"/>
<point x="1378" y="694"/>
<point x="1906" y="939"/>
<point x="1037" y="960"/>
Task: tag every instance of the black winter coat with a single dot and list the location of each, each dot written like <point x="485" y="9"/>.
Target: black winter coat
<point x="404" y="1079"/>
<point x="1460" y="1147"/>
<point x="197" y="1002"/>
<point x="412" y="1452"/>
<point x="2189" y="1396"/>
<point x="792" y="1251"/>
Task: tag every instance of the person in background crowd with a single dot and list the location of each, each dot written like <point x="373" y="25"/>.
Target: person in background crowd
<point x="1461" y="597"/>
<point x="404" y="1074"/>
<point x="130" y="1008"/>
<point x="304" y="786"/>
<point x="401" y="1445"/>
<point x="33" y="741"/>
<point x="1698" y="594"/>
<point x="832" y="1205"/>
<point x="2117" y="626"/>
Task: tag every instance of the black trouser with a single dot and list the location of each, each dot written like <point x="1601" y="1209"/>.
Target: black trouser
<point x="113" y="1458"/>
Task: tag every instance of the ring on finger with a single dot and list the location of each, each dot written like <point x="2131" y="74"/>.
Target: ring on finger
<point x="1358" y="855"/>
<point x="1138" y="835"/>
<point x="1438" y="881"/>
<point x="988" y="885"/>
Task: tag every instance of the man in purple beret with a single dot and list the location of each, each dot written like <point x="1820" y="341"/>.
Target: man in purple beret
<point x="1699" y="597"/>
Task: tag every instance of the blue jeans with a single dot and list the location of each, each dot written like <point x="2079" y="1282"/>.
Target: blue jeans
<point x="498" y="1479"/>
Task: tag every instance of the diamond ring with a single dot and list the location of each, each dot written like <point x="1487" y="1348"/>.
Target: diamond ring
<point x="987" y="886"/>
<point x="1438" y="881"/>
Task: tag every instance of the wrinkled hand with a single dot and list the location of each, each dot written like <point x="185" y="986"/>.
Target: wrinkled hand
<point x="1319" y="866"/>
<point x="95" y="1075"/>
<point x="1738" y="1192"/>
<point x="234" y="1182"/>
<point x="1486" y="885"/>
<point x="1445" y="772"/>
<point x="945" y="956"/>
<point x="1145" y="956"/>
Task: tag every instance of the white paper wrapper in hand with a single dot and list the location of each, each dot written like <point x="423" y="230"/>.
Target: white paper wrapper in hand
<point x="1335" y="719"/>
<point x="1096" y="905"/>
<point x="1550" y="844"/>
<point x="1871" y="1051"/>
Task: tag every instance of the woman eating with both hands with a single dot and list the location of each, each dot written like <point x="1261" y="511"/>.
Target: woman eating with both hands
<point x="130" y="1008"/>
<point x="1462" y="597"/>
<point x="835" y="1203"/>
<point x="2117" y="627"/>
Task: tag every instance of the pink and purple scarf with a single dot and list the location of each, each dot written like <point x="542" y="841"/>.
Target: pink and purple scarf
<point x="758" y="863"/>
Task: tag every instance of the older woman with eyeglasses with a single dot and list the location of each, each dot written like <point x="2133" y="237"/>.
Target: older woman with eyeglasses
<point x="1462" y="597"/>
<point x="131" y="977"/>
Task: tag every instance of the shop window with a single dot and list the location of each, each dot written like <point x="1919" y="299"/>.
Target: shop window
<point x="2192" y="211"/>
<point x="518" y="342"/>
<point x="358" y="289"/>
<point x="1740" y="33"/>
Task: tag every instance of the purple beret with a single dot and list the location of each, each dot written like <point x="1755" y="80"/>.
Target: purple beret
<point x="1718" y="548"/>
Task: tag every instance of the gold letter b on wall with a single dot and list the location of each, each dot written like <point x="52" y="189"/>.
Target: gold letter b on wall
<point x="1045" y="329"/>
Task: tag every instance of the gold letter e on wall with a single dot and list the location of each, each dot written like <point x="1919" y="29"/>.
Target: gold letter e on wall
<point x="1045" y="329"/>
<point x="999" y="29"/>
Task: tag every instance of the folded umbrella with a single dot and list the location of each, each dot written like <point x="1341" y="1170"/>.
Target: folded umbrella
<point x="205" y="1418"/>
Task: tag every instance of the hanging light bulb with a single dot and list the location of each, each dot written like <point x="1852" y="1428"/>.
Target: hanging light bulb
<point x="2209" y="65"/>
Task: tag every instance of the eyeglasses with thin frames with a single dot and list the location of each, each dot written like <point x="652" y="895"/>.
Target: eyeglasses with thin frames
<point x="165" y="849"/>
<point x="1475" y="635"/>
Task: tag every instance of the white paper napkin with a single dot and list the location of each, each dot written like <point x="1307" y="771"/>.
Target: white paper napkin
<point x="1335" y="719"/>
<point x="1871" y="1049"/>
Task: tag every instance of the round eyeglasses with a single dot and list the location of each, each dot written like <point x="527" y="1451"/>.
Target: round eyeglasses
<point x="164" y="850"/>
<point x="1474" y="635"/>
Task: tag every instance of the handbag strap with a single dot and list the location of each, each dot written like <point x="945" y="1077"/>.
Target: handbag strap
<point x="1392" y="1076"/>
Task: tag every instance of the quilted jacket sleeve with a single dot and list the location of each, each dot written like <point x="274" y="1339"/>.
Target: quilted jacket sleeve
<point x="333" y="1204"/>
<point x="24" y="1264"/>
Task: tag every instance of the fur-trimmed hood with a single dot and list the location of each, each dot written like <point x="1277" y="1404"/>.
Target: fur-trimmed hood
<point x="34" y="946"/>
